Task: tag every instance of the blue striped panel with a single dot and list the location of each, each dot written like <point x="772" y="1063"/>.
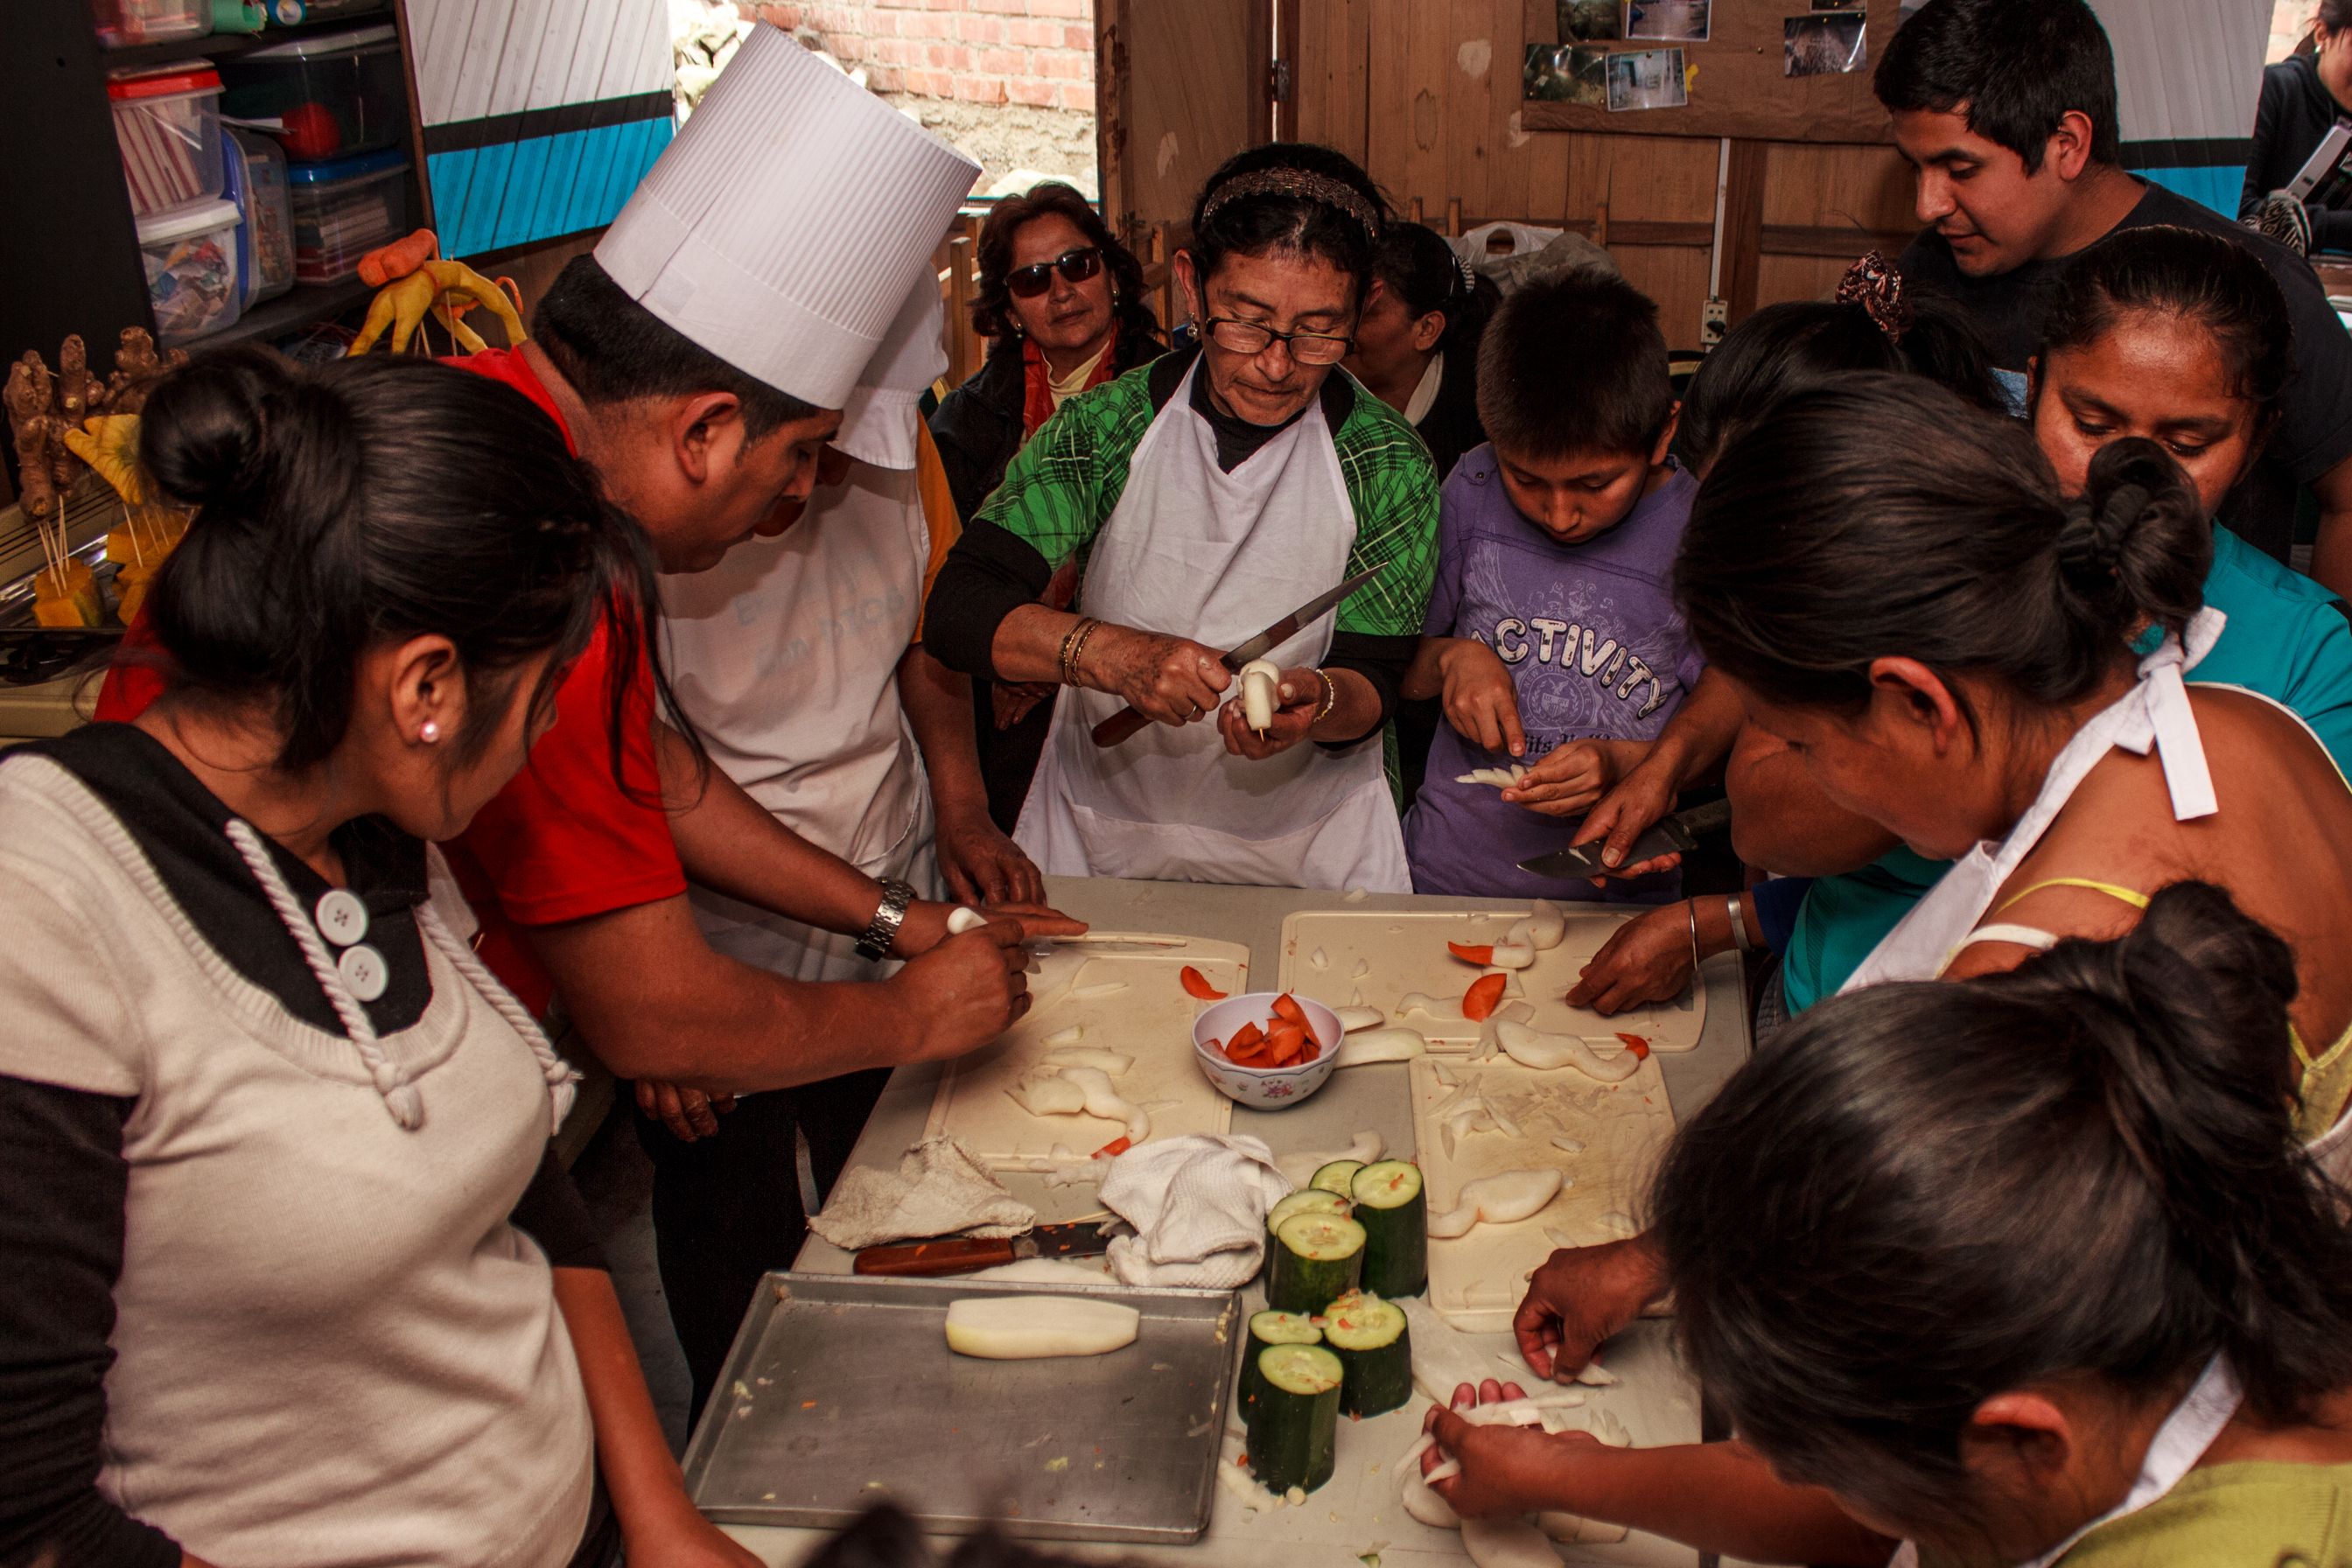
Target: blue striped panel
<point x="2214" y="187"/>
<point x="493" y="197"/>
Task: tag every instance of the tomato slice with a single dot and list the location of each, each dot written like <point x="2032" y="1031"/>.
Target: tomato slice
<point x="1287" y="1007"/>
<point x="1197" y="986"/>
<point x="1485" y="993"/>
<point x="1247" y="1035"/>
<point x="1635" y="1044"/>
<point x="1481" y="956"/>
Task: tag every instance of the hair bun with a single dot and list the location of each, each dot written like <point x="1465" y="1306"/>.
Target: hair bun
<point x="204" y="434"/>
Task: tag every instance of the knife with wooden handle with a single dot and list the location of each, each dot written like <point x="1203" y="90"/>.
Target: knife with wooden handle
<point x="964" y="1254"/>
<point x="1126" y="722"/>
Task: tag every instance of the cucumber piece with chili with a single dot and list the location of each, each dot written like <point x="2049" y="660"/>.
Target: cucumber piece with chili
<point x="1307" y="1200"/>
<point x="1317" y="1259"/>
<point x="1268" y="1330"/>
<point x="1294" y="1427"/>
<point x="1335" y="1177"/>
<point x="1375" y="1350"/>
<point x="1388" y="1205"/>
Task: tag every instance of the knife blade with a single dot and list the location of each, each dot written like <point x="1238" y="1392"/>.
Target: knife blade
<point x="945" y="1255"/>
<point x="1126" y="722"/>
<point x="1676" y="835"/>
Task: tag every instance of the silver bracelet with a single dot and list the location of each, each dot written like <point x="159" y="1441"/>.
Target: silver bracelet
<point x="1690" y="908"/>
<point x="1739" y="923"/>
<point x="888" y="916"/>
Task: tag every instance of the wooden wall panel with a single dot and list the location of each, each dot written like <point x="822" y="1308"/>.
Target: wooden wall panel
<point x="1427" y="97"/>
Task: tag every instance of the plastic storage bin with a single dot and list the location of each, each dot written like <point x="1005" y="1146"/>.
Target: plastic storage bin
<point x="344" y="209"/>
<point x="123" y="24"/>
<point x="191" y="259"/>
<point x="323" y="96"/>
<point x="167" y="125"/>
<point x="265" y="236"/>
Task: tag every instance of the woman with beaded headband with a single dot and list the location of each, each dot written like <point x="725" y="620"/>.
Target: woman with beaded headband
<point x="1212" y="492"/>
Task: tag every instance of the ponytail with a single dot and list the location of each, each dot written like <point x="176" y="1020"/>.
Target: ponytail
<point x="368" y="501"/>
<point x="1928" y="1194"/>
<point x="1884" y="516"/>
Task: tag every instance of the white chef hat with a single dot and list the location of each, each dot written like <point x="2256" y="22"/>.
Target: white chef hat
<point x="878" y="424"/>
<point x="781" y="228"/>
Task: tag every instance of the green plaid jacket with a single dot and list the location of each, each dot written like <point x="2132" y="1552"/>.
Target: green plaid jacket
<point x="1063" y="485"/>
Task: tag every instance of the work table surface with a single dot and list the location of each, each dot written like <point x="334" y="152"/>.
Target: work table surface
<point x="1357" y="1511"/>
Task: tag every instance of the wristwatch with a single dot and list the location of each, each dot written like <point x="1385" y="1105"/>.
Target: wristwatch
<point x="882" y="929"/>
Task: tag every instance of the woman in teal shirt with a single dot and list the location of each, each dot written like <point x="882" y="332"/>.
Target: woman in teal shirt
<point x="2181" y="337"/>
<point x="2169" y="333"/>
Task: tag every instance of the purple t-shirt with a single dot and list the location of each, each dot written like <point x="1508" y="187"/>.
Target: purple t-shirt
<point x="1596" y="650"/>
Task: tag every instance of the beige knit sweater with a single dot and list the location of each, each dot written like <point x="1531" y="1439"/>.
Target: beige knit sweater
<point x="331" y="1347"/>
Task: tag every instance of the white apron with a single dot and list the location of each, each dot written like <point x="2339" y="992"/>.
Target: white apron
<point x="2209" y="1406"/>
<point x="1216" y="557"/>
<point x="785" y="654"/>
<point x="2154" y="714"/>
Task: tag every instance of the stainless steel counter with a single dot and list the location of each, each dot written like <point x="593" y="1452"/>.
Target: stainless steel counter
<point x="1358" y="1510"/>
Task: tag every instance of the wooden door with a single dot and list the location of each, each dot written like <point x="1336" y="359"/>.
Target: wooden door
<point x="1181" y="88"/>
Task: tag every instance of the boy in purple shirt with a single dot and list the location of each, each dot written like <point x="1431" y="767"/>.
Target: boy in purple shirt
<point x="1552" y="635"/>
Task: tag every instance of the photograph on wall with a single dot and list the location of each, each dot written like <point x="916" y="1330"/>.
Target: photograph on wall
<point x="1652" y="79"/>
<point x="1675" y="21"/>
<point x="1562" y="73"/>
<point x="1823" y="45"/>
<point x="1586" y="20"/>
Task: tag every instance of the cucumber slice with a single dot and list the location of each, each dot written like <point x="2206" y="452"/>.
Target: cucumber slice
<point x="1388" y="1205"/>
<point x="1307" y="1200"/>
<point x="1294" y="1427"/>
<point x="1317" y="1259"/>
<point x="1336" y="1177"/>
<point x="1375" y="1350"/>
<point x="1266" y="1330"/>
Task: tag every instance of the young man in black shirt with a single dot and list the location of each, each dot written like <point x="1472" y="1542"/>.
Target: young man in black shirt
<point x="2007" y="111"/>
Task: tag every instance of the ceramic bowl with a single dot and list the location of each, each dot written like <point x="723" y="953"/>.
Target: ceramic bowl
<point x="1264" y="1088"/>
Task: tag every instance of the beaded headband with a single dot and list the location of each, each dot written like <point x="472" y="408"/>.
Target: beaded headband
<point x="1873" y="284"/>
<point x="1299" y="184"/>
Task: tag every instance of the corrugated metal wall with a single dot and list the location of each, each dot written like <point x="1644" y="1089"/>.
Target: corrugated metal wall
<point x="540" y="116"/>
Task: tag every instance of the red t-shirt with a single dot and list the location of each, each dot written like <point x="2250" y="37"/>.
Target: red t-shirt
<point x="564" y="840"/>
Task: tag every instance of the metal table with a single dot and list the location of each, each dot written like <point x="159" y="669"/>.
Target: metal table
<point x="1357" y="1511"/>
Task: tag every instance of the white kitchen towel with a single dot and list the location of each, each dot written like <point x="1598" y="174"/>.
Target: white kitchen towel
<point x="1198" y="1205"/>
<point x="939" y="1188"/>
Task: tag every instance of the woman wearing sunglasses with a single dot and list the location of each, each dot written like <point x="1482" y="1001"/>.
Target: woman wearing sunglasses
<point x="1213" y="492"/>
<point x="1063" y="305"/>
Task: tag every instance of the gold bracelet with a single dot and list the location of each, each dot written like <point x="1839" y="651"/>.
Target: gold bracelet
<point x="1069" y="656"/>
<point x="1330" y="697"/>
<point x="1078" y="649"/>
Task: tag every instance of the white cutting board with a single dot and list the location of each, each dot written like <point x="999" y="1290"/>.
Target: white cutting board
<point x="1150" y="1020"/>
<point x="1475" y="1281"/>
<point x="1382" y="958"/>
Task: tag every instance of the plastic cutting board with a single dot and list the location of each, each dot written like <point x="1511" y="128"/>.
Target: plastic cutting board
<point x="1149" y="1019"/>
<point x="1475" y="1281"/>
<point x="1371" y="959"/>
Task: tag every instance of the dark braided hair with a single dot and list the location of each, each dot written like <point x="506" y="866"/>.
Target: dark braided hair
<point x="1928" y="1194"/>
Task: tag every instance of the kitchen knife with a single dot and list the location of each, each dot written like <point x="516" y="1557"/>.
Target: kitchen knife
<point x="1126" y="722"/>
<point x="1676" y="835"/>
<point x="964" y="1254"/>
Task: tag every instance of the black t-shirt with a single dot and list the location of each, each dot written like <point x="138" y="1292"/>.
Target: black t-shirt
<point x="2295" y="114"/>
<point x="2315" y="432"/>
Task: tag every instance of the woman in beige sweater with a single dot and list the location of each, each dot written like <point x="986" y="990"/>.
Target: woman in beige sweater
<point x="293" y="1278"/>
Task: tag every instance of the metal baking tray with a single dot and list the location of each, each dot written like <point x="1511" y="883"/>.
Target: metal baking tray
<point x="841" y="1391"/>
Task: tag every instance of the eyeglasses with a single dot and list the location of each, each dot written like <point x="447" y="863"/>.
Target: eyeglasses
<point x="1249" y="338"/>
<point x="1074" y="266"/>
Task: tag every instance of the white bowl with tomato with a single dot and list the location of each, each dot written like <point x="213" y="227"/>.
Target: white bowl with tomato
<point x="1266" y="1049"/>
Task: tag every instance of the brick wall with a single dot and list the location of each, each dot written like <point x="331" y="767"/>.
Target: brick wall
<point x="1039" y="52"/>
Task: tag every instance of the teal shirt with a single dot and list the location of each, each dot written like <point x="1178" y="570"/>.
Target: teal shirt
<point x="2287" y="639"/>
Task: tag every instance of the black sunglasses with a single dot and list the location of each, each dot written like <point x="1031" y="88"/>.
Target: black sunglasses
<point x="1074" y="266"/>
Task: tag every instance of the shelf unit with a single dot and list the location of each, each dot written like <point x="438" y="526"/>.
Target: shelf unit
<point x="71" y="258"/>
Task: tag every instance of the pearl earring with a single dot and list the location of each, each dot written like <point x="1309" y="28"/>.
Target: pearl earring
<point x="428" y="732"/>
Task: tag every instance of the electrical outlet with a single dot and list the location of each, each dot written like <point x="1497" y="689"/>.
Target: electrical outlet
<point x="1713" y="323"/>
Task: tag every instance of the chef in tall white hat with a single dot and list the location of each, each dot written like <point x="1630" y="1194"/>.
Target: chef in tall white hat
<point x="870" y="755"/>
<point x="698" y="360"/>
